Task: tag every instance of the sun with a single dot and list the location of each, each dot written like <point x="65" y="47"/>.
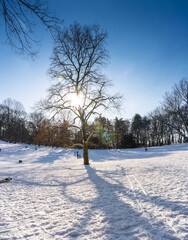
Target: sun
<point x="76" y="100"/>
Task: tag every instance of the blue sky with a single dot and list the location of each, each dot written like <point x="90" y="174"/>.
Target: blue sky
<point x="147" y="40"/>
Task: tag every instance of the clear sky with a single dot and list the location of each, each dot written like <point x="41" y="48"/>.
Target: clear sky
<point x="148" y="44"/>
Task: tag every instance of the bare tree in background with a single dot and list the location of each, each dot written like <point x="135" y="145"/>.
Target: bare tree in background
<point x="35" y="119"/>
<point x="19" y="18"/>
<point x="176" y="107"/>
<point x="13" y="121"/>
<point x="82" y="89"/>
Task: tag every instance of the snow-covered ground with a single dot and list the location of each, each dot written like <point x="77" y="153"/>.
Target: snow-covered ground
<point x="123" y="194"/>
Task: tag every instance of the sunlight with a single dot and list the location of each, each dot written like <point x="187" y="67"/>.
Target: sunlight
<point x="76" y="100"/>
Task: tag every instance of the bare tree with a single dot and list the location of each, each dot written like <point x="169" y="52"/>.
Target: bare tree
<point x="35" y="119"/>
<point x="82" y="89"/>
<point x="176" y="107"/>
<point x="19" y="18"/>
<point x="13" y="121"/>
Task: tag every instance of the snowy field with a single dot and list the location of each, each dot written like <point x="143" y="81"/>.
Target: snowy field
<point x="122" y="194"/>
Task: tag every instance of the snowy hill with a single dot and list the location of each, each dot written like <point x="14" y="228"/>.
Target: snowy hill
<point x="124" y="194"/>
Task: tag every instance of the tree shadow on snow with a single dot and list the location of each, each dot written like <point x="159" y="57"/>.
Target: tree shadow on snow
<point x="121" y="220"/>
<point x="114" y="208"/>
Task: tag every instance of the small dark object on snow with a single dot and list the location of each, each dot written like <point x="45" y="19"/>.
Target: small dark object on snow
<point x="146" y="149"/>
<point x="5" y="180"/>
<point x="8" y="179"/>
<point x="20" y="161"/>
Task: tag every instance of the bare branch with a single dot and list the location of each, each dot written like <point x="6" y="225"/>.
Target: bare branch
<point x="77" y="145"/>
<point x="20" y="18"/>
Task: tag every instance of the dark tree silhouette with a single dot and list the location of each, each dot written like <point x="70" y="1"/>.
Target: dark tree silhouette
<point x="82" y="89"/>
<point x="176" y="108"/>
<point x="19" y="18"/>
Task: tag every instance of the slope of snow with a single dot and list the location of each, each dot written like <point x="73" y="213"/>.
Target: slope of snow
<point x="124" y="194"/>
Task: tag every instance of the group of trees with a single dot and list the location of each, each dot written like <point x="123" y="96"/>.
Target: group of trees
<point x="12" y="122"/>
<point x="18" y="126"/>
<point x="167" y="124"/>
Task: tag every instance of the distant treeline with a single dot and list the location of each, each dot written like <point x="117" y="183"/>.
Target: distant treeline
<point x="168" y="124"/>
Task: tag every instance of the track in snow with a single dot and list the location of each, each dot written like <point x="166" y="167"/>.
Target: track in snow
<point x="147" y="206"/>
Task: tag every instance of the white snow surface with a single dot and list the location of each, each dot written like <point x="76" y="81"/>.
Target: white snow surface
<point x="122" y="195"/>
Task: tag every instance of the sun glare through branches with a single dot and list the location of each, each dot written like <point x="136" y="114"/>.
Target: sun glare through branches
<point x="76" y="100"/>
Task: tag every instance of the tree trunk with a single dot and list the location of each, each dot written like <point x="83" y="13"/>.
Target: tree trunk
<point x="85" y="154"/>
<point x="85" y="143"/>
